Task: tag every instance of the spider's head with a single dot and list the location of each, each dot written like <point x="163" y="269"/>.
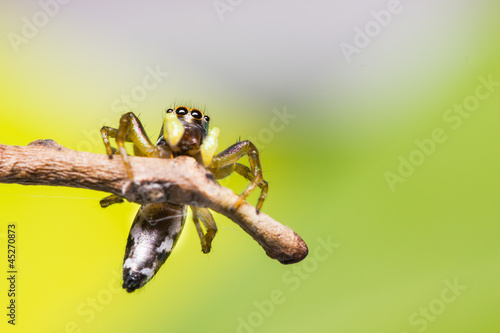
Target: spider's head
<point x="184" y="129"/>
<point x="186" y="132"/>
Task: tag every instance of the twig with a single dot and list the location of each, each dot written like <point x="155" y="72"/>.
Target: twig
<point x="180" y="180"/>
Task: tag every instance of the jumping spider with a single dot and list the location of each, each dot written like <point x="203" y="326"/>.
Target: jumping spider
<point x="157" y="226"/>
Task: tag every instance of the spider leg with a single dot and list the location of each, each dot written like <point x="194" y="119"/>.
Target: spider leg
<point x="110" y="200"/>
<point x="130" y="130"/>
<point x="225" y="163"/>
<point x="245" y="171"/>
<point x="106" y="133"/>
<point x="206" y="218"/>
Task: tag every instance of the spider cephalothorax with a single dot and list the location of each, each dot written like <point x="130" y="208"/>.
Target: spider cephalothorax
<point x="184" y="131"/>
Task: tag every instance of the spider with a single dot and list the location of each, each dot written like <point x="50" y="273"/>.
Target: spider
<point x="157" y="226"/>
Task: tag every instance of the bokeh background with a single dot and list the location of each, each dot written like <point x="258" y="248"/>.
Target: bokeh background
<point x="341" y="97"/>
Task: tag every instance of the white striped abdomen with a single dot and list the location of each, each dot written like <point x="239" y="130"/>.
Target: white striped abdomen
<point x="154" y="232"/>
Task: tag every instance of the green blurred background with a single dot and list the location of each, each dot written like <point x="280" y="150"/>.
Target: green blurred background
<point x="410" y="254"/>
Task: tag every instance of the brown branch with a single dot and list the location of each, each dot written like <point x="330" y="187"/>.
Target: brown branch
<point x="180" y="180"/>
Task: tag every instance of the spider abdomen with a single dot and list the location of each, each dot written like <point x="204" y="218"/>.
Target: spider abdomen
<point x="153" y="235"/>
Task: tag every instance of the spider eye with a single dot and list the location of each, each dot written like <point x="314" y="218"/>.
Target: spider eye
<point x="196" y="114"/>
<point x="207" y="118"/>
<point x="170" y="110"/>
<point x="181" y="111"/>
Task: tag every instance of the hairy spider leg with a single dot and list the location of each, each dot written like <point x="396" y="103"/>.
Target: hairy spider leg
<point x="106" y="133"/>
<point x="245" y="171"/>
<point x="130" y="130"/>
<point x="225" y="163"/>
<point x="204" y="215"/>
<point x="110" y="200"/>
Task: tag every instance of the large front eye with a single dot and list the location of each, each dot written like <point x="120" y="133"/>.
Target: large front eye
<point x="196" y="114"/>
<point x="182" y="111"/>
